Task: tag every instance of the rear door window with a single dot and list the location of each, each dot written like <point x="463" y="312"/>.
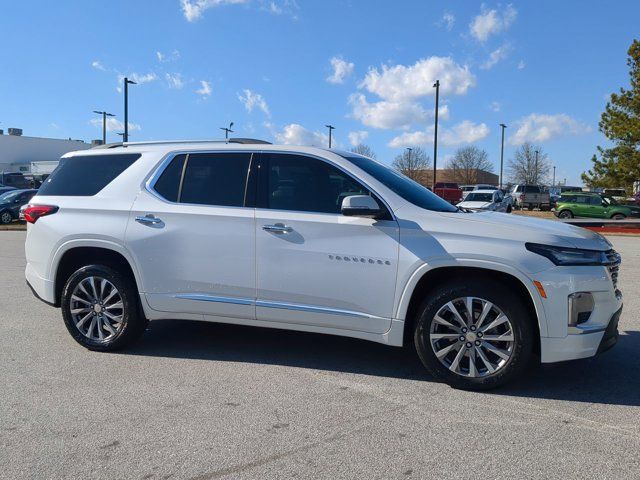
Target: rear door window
<point x="86" y="175"/>
<point x="215" y="179"/>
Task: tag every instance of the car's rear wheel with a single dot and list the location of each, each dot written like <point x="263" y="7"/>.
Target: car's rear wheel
<point x="100" y="308"/>
<point x="618" y="216"/>
<point x="565" y="214"/>
<point x="476" y="336"/>
<point x="5" y="217"/>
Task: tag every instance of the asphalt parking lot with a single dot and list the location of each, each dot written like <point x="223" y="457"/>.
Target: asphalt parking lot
<point x="206" y="401"/>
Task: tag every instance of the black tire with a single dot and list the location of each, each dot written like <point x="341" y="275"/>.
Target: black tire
<point x="509" y="209"/>
<point x="6" y="217"/>
<point x="565" y="214"/>
<point x="618" y="216"/>
<point x="133" y="322"/>
<point x="502" y="296"/>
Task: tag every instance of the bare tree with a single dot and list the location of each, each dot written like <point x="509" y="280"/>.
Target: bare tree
<point x="466" y="162"/>
<point x="413" y="163"/>
<point x="365" y="150"/>
<point x="528" y="168"/>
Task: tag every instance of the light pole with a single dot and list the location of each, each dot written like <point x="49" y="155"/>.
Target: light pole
<point x="503" y="126"/>
<point x="125" y="137"/>
<point x="536" y="169"/>
<point x="227" y="131"/>
<point x="435" y="134"/>
<point x="331" y="128"/>
<point x="104" y="124"/>
<point x="553" y="184"/>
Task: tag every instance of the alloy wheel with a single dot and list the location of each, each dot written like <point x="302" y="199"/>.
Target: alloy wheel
<point x="472" y="337"/>
<point x="5" y="218"/>
<point x="97" y="309"/>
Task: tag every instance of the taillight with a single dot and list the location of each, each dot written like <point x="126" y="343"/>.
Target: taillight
<point x="34" y="212"/>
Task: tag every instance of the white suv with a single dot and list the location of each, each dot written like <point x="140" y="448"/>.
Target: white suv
<point x="315" y="240"/>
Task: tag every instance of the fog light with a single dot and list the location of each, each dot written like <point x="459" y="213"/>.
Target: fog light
<point x="580" y="308"/>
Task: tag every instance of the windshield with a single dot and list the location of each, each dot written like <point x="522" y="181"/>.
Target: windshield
<point x="479" y="197"/>
<point x="403" y="186"/>
<point x="9" y="196"/>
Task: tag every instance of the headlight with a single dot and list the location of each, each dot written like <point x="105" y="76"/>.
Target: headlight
<point x="568" y="256"/>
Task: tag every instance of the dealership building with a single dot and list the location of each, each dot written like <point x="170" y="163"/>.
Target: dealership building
<point x="33" y="155"/>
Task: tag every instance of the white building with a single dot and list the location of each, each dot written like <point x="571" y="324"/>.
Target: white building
<point x="18" y="153"/>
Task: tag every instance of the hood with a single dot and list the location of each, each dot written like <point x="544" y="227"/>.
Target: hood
<point x="475" y="205"/>
<point x="505" y="227"/>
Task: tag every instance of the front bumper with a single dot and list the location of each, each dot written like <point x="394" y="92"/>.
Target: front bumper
<point x="581" y="345"/>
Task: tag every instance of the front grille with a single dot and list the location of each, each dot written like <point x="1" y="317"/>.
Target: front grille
<point x="613" y="264"/>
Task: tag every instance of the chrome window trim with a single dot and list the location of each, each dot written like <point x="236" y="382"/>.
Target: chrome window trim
<point x="162" y="165"/>
<point x="339" y="167"/>
<point x="167" y="159"/>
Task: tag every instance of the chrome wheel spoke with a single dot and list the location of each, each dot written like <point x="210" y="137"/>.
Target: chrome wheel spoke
<point x="471" y="337"/>
<point x="486" y="308"/>
<point x="90" y="300"/>
<point x="114" y="305"/>
<point x="496" y="323"/>
<point x="443" y="353"/>
<point x="452" y="308"/>
<point x="503" y="354"/>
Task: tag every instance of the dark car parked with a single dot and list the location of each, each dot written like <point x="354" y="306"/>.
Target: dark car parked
<point x="10" y="203"/>
<point x="4" y="189"/>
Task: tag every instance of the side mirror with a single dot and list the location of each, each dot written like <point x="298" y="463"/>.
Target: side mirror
<point x="360" y="206"/>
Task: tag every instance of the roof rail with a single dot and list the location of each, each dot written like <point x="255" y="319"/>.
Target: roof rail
<point x="243" y="141"/>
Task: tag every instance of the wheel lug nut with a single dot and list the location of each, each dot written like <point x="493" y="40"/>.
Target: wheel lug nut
<point x="469" y="345"/>
<point x="478" y="342"/>
<point x="480" y="334"/>
<point x="462" y="338"/>
<point x="473" y="328"/>
<point x="464" y="330"/>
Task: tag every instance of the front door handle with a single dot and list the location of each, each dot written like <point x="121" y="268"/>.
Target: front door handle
<point x="148" y="219"/>
<point x="277" y="228"/>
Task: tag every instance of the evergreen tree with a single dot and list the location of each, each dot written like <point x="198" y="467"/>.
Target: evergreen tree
<point x="619" y="166"/>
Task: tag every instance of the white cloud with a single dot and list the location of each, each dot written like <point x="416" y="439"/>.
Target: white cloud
<point x="205" y="89"/>
<point x="495" y="106"/>
<point x="97" y="65"/>
<point x="168" y="57"/>
<point x="541" y="127"/>
<point x="114" y="125"/>
<point x="281" y="7"/>
<point x="497" y="55"/>
<point x="341" y="70"/>
<point x="521" y="65"/>
<point x="491" y="22"/>
<point x="174" y="80"/>
<point x="193" y="9"/>
<point x="462" y="133"/>
<point x="400" y="82"/>
<point x="139" y="78"/>
<point x="356" y="138"/>
<point x="386" y="115"/>
<point x="253" y="100"/>
<point x="448" y="20"/>
<point x="295" y="134"/>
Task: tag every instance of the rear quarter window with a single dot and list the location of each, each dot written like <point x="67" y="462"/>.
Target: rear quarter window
<point x="86" y="175"/>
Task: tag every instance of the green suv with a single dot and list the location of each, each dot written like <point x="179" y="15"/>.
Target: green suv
<point x="590" y="205"/>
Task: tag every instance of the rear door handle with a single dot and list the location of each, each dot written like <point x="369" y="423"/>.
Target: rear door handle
<point x="148" y="219"/>
<point x="277" y="228"/>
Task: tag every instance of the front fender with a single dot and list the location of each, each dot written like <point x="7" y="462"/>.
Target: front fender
<point x="407" y="290"/>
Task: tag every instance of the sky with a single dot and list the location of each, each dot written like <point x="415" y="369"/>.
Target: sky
<point x="281" y="70"/>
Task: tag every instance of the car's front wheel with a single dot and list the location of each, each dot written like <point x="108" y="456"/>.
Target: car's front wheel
<point x="565" y="214"/>
<point x="618" y="216"/>
<point x="476" y="336"/>
<point x="100" y="308"/>
<point x="5" y="217"/>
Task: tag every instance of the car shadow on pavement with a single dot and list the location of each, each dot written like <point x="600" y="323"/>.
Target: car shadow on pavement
<point x="610" y="378"/>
